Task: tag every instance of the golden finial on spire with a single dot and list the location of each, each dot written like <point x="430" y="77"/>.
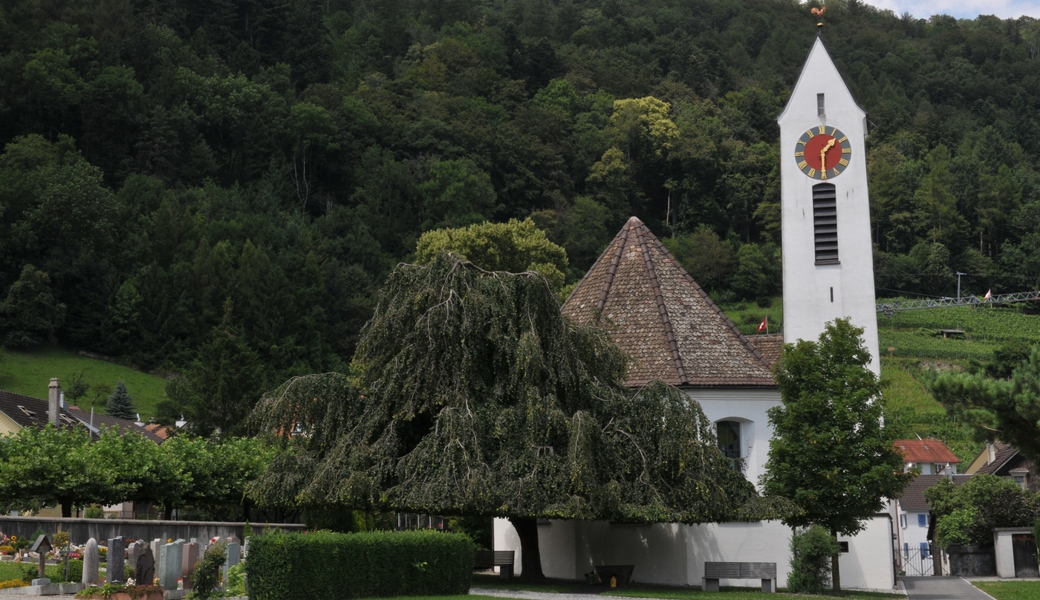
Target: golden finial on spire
<point x="819" y="14"/>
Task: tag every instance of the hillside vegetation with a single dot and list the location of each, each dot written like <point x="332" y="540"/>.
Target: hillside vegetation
<point x="218" y="188"/>
<point x="29" y="373"/>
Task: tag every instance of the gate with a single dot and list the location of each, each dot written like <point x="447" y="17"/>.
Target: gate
<point x="1024" y="549"/>
<point x="920" y="562"/>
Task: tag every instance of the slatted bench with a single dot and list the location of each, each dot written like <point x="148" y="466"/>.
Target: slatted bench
<point x="488" y="559"/>
<point x="714" y="571"/>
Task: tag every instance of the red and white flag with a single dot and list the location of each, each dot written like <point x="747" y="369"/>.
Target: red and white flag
<point x="764" y="325"/>
<point x="989" y="294"/>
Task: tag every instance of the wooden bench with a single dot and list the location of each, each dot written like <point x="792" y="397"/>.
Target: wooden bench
<point x="489" y="559"/>
<point x="714" y="571"/>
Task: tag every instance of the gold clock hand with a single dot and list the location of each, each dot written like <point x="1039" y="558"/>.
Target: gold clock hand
<point x="823" y="154"/>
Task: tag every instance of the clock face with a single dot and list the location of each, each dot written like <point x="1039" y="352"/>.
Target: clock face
<point x="823" y="152"/>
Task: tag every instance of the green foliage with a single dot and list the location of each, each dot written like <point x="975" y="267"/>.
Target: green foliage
<point x="121" y="404"/>
<point x="30" y="314"/>
<point x="831" y="454"/>
<point x="358" y="565"/>
<point x="1008" y="406"/>
<point x="94" y="512"/>
<point x="528" y="405"/>
<point x="206" y="576"/>
<point x="811" y="552"/>
<point x="236" y="580"/>
<point x="30" y="572"/>
<point x="516" y="247"/>
<point x="967" y="514"/>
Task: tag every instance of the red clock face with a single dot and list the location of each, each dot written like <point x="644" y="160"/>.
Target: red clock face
<point x="823" y="152"/>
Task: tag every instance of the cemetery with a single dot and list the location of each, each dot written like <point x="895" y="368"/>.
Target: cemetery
<point x="122" y="567"/>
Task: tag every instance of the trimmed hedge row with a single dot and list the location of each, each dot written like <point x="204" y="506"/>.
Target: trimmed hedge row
<point x="358" y="565"/>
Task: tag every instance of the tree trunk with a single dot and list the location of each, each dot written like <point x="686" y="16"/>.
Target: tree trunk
<point x="66" y="509"/>
<point x="835" y="573"/>
<point x="530" y="557"/>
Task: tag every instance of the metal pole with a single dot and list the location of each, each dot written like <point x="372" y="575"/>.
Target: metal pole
<point x="959" y="285"/>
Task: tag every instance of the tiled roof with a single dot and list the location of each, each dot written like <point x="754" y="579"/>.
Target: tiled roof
<point x="1004" y="453"/>
<point x="662" y="319"/>
<point x="27" y="411"/>
<point x="159" y="430"/>
<point x="925" y="451"/>
<point x="99" y="421"/>
<point x="912" y="498"/>
<point x="770" y="346"/>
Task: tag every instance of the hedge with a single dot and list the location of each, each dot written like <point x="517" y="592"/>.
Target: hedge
<point x="358" y="565"/>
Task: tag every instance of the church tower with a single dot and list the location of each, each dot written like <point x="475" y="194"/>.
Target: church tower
<point x="825" y="210"/>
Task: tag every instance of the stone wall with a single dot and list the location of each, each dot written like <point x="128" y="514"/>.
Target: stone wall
<point x="972" y="561"/>
<point x="80" y="530"/>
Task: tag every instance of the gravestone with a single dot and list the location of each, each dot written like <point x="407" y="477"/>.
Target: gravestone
<point x="116" y="564"/>
<point x="90" y="562"/>
<point x="190" y="557"/>
<point x="234" y="553"/>
<point x="41" y="547"/>
<point x="155" y="544"/>
<point x="133" y="553"/>
<point x="145" y="569"/>
<point x="170" y="564"/>
<point x="245" y="548"/>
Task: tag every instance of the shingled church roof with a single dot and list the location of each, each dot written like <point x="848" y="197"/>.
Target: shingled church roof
<point x="662" y="319"/>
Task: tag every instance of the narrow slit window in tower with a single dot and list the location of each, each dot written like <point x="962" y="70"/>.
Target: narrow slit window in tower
<point x="825" y="224"/>
<point x="819" y="105"/>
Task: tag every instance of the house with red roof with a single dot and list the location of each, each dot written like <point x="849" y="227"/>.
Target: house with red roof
<point x="927" y="457"/>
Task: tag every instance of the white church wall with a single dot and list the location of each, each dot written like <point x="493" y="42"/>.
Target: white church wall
<point x="748" y="407"/>
<point x="674" y="554"/>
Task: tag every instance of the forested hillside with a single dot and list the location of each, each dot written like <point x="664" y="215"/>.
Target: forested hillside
<point x="218" y="187"/>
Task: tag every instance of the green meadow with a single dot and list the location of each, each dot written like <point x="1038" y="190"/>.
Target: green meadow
<point x="29" y="373"/>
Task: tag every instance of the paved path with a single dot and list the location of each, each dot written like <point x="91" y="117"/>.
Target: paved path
<point x="942" y="588"/>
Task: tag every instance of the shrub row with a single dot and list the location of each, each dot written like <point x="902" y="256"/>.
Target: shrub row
<point x="358" y="565"/>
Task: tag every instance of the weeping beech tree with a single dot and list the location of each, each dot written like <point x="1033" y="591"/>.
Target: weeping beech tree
<point x="470" y="394"/>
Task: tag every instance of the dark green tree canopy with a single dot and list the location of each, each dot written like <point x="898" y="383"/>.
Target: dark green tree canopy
<point x="472" y="395"/>
<point x="30" y="314"/>
<point x="997" y="409"/>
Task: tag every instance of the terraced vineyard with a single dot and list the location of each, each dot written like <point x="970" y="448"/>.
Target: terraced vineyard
<point x="911" y="343"/>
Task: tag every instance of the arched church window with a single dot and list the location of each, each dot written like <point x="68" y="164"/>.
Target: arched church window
<point x="728" y="434"/>
<point x="825" y="223"/>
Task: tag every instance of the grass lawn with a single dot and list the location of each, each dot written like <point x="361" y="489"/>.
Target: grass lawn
<point x="1010" y="589"/>
<point x="655" y="591"/>
<point x="10" y="570"/>
<point x="29" y="373"/>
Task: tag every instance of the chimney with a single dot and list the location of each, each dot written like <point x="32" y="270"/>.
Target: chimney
<point x="991" y="453"/>
<point x="53" y="399"/>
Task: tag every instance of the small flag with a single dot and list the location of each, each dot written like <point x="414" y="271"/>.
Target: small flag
<point x="989" y="294"/>
<point x="764" y="325"/>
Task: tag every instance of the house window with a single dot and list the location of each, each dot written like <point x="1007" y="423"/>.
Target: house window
<point x="825" y="223"/>
<point x="924" y="549"/>
<point x="922" y="520"/>
<point x="1020" y="480"/>
<point x="906" y="550"/>
<point x="728" y="433"/>
<point x="902" y="521"/>
<point x="819" y="105"/>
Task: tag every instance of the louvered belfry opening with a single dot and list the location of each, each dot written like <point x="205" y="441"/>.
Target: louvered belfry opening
<point x="825" y="223"/>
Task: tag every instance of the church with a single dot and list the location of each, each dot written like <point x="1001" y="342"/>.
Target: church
<point x="672" y="331"/>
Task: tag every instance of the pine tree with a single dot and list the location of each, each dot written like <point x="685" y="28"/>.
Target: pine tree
<point x="121" y="404"/>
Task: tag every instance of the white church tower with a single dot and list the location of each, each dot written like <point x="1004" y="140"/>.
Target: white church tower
<point x="825" y="210"/>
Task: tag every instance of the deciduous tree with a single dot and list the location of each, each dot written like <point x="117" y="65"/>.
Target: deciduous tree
<point x="831" y="453"/>
<point x="472" y="395"/>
